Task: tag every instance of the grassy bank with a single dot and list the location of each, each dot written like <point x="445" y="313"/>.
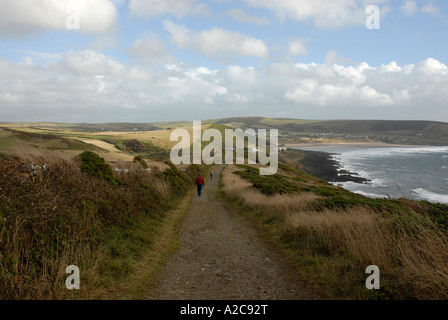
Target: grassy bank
<point x="64" y="212"/>
<point x="333" y="235"/>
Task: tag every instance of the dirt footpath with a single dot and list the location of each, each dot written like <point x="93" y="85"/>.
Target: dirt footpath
<point x="221" y="257"/>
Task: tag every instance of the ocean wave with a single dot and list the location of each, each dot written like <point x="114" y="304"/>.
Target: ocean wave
<point x="377" y="182"/>
<point x="369" y="153"/>
<point x="369" y="194"/>
<point x="373" y="180"/>
<point x="431" y="196"/>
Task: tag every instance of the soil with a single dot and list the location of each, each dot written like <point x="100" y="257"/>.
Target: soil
<point x="222" y="257"/>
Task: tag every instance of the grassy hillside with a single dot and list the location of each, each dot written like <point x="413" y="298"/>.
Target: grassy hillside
<point x="333" y="235"/>
<point x="405" y="132"/>
<point x="123" y="144"/>
<point x="13" y="141"/>
<point x="62" y="204"/>
<point x="79" y="212"/>
<point x="291" y="130"/>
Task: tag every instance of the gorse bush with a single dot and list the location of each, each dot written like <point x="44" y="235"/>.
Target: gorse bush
<point x="96" y="166"/>
<point x="143" y="149"/>
<point x="269" y="184"/>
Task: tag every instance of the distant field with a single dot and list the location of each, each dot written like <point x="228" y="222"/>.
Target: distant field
<point x="67" y="140"/>
<point x="108" y="139"/>
<point x="27" y="142"/>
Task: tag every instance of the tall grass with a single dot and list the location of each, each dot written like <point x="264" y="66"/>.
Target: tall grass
<point x="334" y="246"/>
<point x="59" y="216"/>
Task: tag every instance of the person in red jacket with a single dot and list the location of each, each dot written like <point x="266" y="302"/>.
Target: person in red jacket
<point x="200" y="183"/>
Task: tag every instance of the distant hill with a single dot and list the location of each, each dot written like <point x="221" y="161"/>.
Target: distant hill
<point x="391" y="131"/>
<point x="12" y="141"/>
<point x="291" y="130"/>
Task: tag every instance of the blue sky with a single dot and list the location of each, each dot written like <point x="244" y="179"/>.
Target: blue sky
<point x="154" y="60"/>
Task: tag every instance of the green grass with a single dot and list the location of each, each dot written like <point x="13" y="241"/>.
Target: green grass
<point x="23" y="140"/>
<point x="270" y="184"/>
<point x="97" y="167"/>
<point x="6" y="143"/>
<point x="142" y="149"/>
<point x="335" y="197"/>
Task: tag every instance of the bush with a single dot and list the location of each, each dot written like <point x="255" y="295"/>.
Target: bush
<point x="270" y="185"/>
<point x="62" y="216"/>
<point x="139" y="159"/>
<point x="95" y="166"/>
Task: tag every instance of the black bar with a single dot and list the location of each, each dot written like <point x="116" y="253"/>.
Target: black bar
<point x="211" y="309"/>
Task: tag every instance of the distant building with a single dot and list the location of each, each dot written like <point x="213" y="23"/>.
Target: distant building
<point x="282" y="148"/>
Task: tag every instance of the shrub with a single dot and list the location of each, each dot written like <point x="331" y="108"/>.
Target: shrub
<point x="95" y="166"/>
<point x="139" y="159"/>
<point x="62" y="216"/>
<point x="269" y="185"/>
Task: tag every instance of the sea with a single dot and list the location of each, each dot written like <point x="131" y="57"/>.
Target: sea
<point x="414" y="172"/>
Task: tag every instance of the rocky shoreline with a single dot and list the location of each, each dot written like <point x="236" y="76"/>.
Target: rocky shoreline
<point x="322" y="165"/>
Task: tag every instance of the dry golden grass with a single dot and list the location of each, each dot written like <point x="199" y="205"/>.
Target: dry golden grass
<point x="358" y="231"/>
<point x="101" y="144"/>
<point x="238" y="187"/>
<point x="410" y="251"/>
<point x="418" y="259"/>
<point x="160" y="138"/>
<point x="20" y="246"/>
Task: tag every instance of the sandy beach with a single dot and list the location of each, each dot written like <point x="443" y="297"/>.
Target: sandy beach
<point x="354" y="144"/>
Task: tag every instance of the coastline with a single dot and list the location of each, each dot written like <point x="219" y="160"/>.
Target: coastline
<point x="321" y="164"/>
<point x="324" y="164"/>
<point x="350" y="144"/>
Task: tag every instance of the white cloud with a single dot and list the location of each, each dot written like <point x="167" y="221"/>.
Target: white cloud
<point x="431" y="9"/>
<point x="391" y="67"/>
<point x="333" y="57"/>
<point x="409" y="7"/>
<point x="240" y="15"/>
<point x="325" y="14"/>
<point x="92" y="63"/>
<point x="372" y="97"/>
<point x="150" y="49"/>
<point x="90" y="86"/>
<point x="22" y="17"/>
<point x="216" y="42"/>
<point x="297" y="47"/>
<point x="178" y="8"/>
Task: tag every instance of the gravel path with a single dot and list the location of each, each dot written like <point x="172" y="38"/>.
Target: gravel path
<point x="222" y="258"/>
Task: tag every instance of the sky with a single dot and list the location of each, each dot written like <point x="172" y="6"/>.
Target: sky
<point x="101" y="61"/>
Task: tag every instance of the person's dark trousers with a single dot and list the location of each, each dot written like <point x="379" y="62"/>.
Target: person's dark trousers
<point x="199" y="189"/>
